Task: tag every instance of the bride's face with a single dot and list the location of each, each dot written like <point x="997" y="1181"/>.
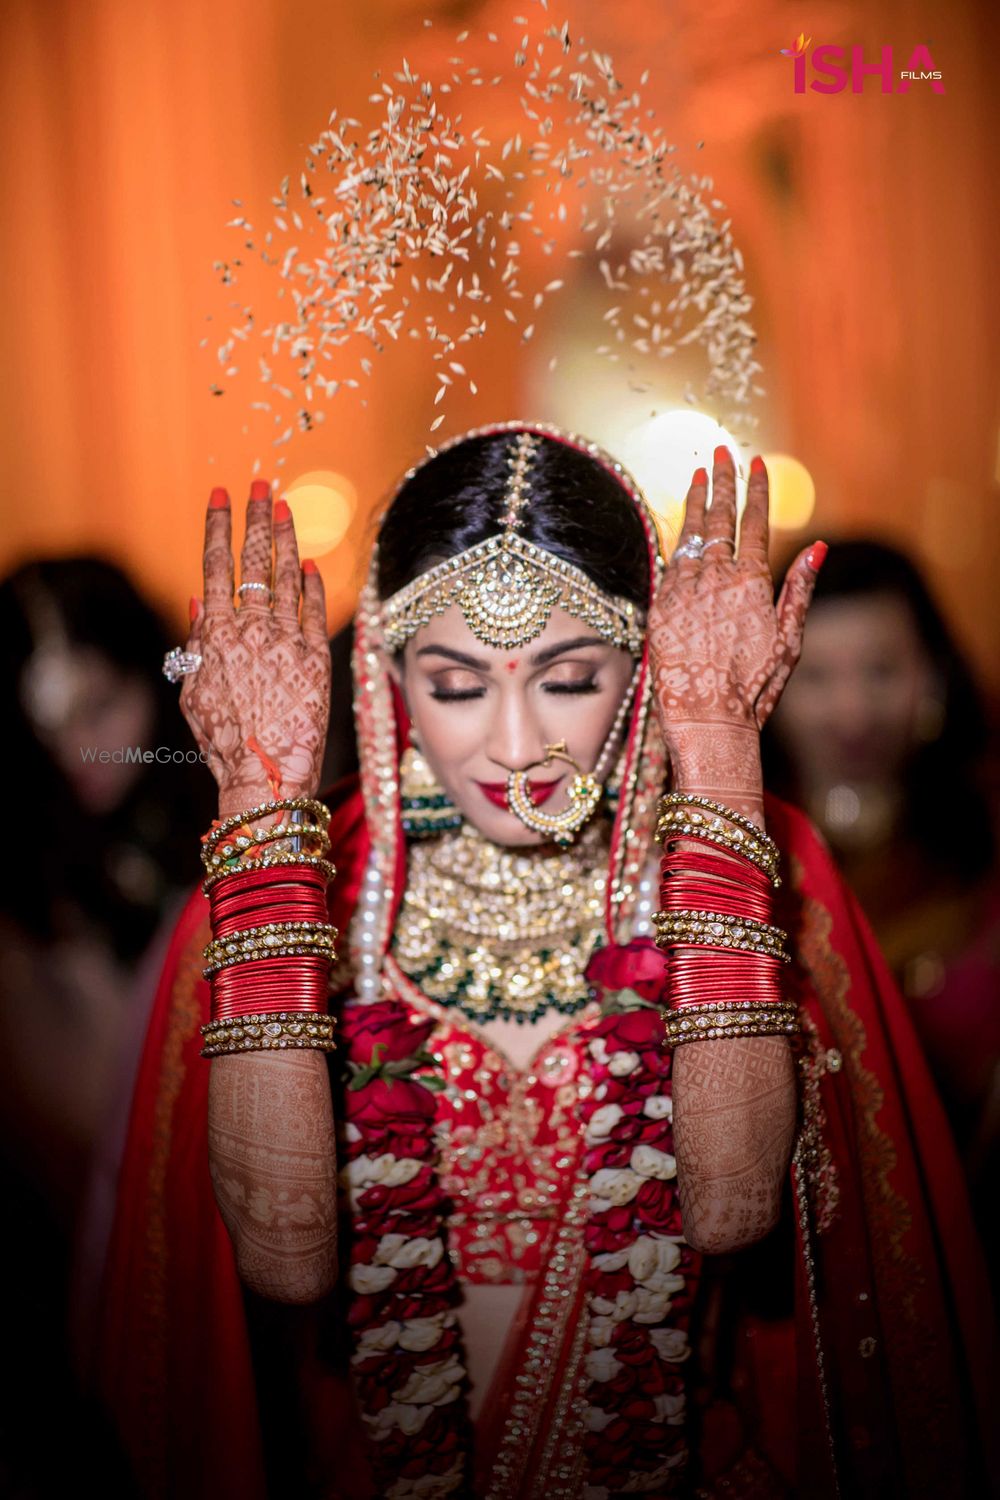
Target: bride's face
<point x="480" y="712"/>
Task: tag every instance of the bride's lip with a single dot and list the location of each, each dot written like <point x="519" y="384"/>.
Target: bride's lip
<point x="538" y="791"/>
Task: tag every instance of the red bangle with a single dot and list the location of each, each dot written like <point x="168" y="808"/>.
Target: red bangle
<point x="699" y="976"/>
<point x="702" y="895"/>
<point x="295" y="983"/>
<point x="726" y="866"/>
<point x="289" y="982"/>
<point x="700" y="880"/>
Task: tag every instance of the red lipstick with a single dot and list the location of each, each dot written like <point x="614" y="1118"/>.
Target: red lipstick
<point x="538" y="791"/>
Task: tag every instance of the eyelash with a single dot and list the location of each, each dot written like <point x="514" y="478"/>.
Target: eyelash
<point x="442" y="695"/>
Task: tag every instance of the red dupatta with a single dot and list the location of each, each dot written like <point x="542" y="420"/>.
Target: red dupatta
<point x="173" y="1361"/>
<point x="902" y="1305"/>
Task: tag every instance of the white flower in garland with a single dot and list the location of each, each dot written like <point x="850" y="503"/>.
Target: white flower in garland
<point x="621" y="1064"/>
<point x="612" y="1187"/>
<point x="649" y="1256"/>
<point x="602" y="1365"/>
<point x="433" y="1385"/>
<point x="670" y="1344"/>
<point x="368" y="1281"/>
<point x="401" y="1251"/>
<point x="428" y="1486"/>
<point x="420" y="1334"/>
<point x="385" y="1170"/>
<point x="652" y="1307"/>
<point x="601" y="1328"/>
<point x="602" y="1122"/>
<point x="409" y="1419"/>
<point x="649" y="1162"/>
<point x="377" y="1340"/>
<point x="620" y="1310"/>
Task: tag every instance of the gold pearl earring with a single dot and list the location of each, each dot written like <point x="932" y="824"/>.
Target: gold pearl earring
<point x="425" y="806"/>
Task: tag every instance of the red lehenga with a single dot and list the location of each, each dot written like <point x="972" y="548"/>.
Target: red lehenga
<point x="845" y="1356"/>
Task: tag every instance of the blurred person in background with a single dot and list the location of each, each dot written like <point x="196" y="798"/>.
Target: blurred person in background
<point x="112" y="791"/>
<point x="880" y="721"/>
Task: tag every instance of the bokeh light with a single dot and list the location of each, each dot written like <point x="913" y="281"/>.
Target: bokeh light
<point x="322" y="504"/>
<point x="662" y="454"/>
<point x="792" y="491"/>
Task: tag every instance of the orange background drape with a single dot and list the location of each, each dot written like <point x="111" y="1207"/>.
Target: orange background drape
<point x="868" y="223"/>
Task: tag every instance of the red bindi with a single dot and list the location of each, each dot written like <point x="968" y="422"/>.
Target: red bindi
<point x="511" y="665"/>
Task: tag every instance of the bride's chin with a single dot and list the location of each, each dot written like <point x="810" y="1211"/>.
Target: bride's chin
<point x="504" y="829"/>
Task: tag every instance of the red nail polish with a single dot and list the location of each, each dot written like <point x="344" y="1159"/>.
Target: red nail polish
<point x="700" y="476"/>
<point x="757" y="465"/>
<point x="218" y="499"/>
<point x="309" y="566"/>
<point x="193" y="609"/>
<point x="814" y="557"/>
<point x="722" y="454"/>
<point x="260" y="490"/>
<point x="281" y="510"/>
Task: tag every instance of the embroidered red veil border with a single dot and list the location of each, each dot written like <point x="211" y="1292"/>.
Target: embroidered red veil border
<point x="889" y="1284"/>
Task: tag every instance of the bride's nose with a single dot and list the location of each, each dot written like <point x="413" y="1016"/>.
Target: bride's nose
<point x="515" y="739"/>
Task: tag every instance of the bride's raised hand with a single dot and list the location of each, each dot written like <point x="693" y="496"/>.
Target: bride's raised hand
<point x="722" y="649"/>
<point x="262" y="692"/>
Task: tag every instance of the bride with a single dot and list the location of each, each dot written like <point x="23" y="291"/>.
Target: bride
<point x="569" y="1077"/>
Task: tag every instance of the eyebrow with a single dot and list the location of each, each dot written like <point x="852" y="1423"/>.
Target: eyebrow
<point x="539" y="659"/>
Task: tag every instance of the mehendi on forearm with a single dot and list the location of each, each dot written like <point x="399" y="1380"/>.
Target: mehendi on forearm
<point x="273" y="1164"/>
<point x="733" y="1135"/>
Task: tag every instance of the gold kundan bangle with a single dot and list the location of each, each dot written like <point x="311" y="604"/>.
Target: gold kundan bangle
<point x="270" y="862"/>
<point x="714" y="929"/>
<point x="683" y="814"/>
<point x="272" y="940"/>
<point x="314" y="808"/>
<point x="243" y="848"/>
<point x="728" y="1018"/>
<point x="269" y="1031"/>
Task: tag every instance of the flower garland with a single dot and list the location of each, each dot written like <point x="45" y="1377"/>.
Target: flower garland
<point x="642" y="1274"/>
<point x="408" y="1363"/>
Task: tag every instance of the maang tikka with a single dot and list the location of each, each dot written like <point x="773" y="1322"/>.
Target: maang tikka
<point x="506" y="588"/>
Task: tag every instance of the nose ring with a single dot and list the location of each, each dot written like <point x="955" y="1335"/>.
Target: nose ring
<point x="584" y="794"/>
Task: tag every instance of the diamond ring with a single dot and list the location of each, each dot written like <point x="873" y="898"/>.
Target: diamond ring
<point x="179" y="663"/>
<point x="693" y="547"/>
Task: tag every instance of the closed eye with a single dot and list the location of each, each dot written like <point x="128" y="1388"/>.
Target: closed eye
<point x="455" y="695"/>
<point x="590" y="686"/>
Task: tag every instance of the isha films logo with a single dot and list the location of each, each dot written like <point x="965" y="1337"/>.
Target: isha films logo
<point x="831" y="63"/>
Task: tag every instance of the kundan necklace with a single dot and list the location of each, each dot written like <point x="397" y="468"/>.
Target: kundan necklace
<point x="502" y="932"/>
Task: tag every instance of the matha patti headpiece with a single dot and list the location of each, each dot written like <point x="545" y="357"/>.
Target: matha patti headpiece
<point x="507" y="587"/>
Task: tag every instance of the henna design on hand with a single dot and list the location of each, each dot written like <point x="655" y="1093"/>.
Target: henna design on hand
<point x="722" y="651"/>
<point x="265" y="673"/>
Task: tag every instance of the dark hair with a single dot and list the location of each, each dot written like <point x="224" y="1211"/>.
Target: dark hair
<point x="577" y="510"/>
<point x="115" y="870"/>
<point x="861" y="568"/>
